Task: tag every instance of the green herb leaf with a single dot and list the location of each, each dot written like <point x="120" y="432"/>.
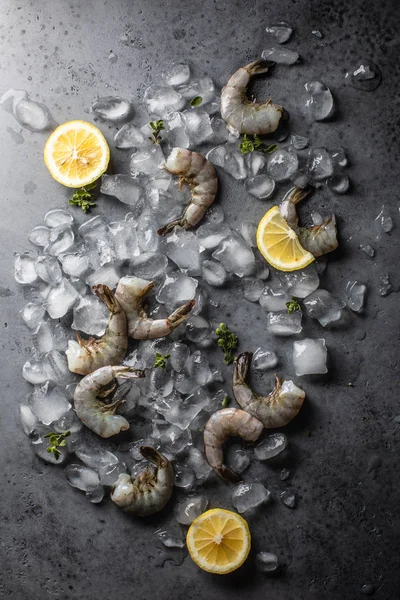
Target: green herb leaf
<point x="196" y="101"/>
<point x="83" y="197"/>
<point x="293" y="305"/>
<point x="161" y="361"/>
<point x="225" y="401"/>
<point x="156" y="126"/>
<point x="247" y="145"/>
<point x="227" y="341"/>
<point x="56" y="440"/>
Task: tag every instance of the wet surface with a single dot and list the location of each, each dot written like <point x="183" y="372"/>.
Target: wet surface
<point x="342" y="539"/>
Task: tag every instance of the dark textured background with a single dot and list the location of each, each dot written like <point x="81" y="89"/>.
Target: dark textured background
<point x="53" y="542"/>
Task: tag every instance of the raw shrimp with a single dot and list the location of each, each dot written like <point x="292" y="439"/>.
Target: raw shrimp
<point x="149" y="492"/>
<point x="318" y="239"/>
<point x="95" y="414"/>
<point x="275" y="410"/>
<point x="85" y="356"/>
<point x="242" y="115"/>
<point x="130" y="294"/>
<point x="200" y="176"/>
<point x="223" y="424"/>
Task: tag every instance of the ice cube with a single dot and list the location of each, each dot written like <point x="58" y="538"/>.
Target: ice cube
<point x="109" y="473"/>
<point x="112" y="108"/>
<point x="124" y="237"/>
<point x="285" y="474"/>
<point x="75" y="264"/>
<point x="32" y="115"/>
<point x="203" y="87"/>
<point x="215" y="214"/>
<point x="237" y="458"/>
<point x="366" y="76"/>
<point x="10" y="98"/>
<point x="209" y="235"/>
<point x="198" y="368"/>
<point x="41" y="444"/>
<point x="339" y="184"/>
<point x="234" y="163"/>
<point x="197" y="329"/>
<point x="385" y="285"/>
<point x="82" y="477"/>
<point x="309" y="356"/>
<point x="170" y="541"/>
<point x="264" y="359"/>
<point x="320" y="102"/>
<point x="248" y="232"/>
<point x="161" y="100"/>
<point x="198" y="464"/>
<point x="278" y="55"/>
<point x="184" y="477"/>
<point x="95" y="496"/>
<point x="267" y="562"/>
<point x="299" y="142"/>
<point x="355" y="295"/>
<point x="289" y="499"/>
<point x="283" y="323"/>
<point x="60" y="299"/>
<point x="198" y="126"/>
<point x="149" y="265"/>
<point x="181" y="411"/>
<point x="273" y="445"/>
<point x="147" y="236"/>
<point x="43" y="340"/>
<point x="300" y="283"/>
<point x="37" y="371"/>
<point x="39" y="236"/>
<point x="280" y="32"/>
<point x="368" y="250"/>
<point x="252" y="288"/>
<point x="183" y="248"/>
<point x="235" y="255"/>
<point x="161" y="381"/>
<point x="32" y="315"/>
<point x="320" y="165"/>
<point x="90" y="315"/>
<point x="176" y="289"/>
<point x="48" y="269"/>
<point x="178" y="74"/>
<point x="189" y="509"/>
<point x="49" y="405"/>
<point x="28" y="419"/>
<point x="24" y="269"/>
<point x="176" y="133"/>
<point x="274" y="298"/>
<point x="106" y="275"/>
<point x="122" y="187"/>
<point x="58" y="216"/>
<point x="217" y="155"/>
<point x="174" y="441"/>
<point x="282" y="164"/>
<point x="60" y="239"/>
<point x="324" y="307"/>
<point x="68" y="422"/>
<point x="256" y="162"/>
<point x="249" y="495"/>
<point x="165" y="205"/>
<point x="220" y="132"/>
<point x="383" y="222"/>
<point x="129" y="136"/>
<point x="260" y="186"/>
<point x="179" y="356"/>
<point x="147" y="161"/>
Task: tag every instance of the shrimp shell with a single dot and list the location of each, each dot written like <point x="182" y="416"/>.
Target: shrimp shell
<point x="130" y="294"/>
<point x="85" y="356"/>
<point x="149" y="492"/>
<point x="200" y="176"/>
<point x="223" y="424"/>
<point x="319" y="239"/>
<point x="242" y="115"/>
<point x="96" y="415"/>
<point x="275" y="410"/>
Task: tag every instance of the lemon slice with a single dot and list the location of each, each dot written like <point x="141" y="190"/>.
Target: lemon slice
<point x="76" y="154"/>
<point x="219" y="541"/>
<point x="279" y="244"/>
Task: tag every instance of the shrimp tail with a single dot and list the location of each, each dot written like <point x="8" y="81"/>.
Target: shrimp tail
<point x="259" y="66"/>
<point x="227" y="475"/>
<point x="299" y="194"/>
<point x="153" y="456"/>
<point x="180" y="314"/>
<point x="106" y="295"/>
<point x="241" y="367"/>
<point x="170" y="226"/>
<point x="123" y="372"/>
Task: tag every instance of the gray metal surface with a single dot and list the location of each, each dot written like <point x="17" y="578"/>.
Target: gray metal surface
<point x="344" y="533"/>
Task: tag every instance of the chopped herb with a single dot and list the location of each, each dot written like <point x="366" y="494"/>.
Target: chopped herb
<point x="293" y="305"/>
<point x="247" y="145"/>
<point x="157" y="127"/>
<point x="161" y="361"/>
<point x="56" y="441"/>
<point x="225" y="401"/>
<point x="227" y="341"/>
<point x="196" y="101"/>
<point x="83" y="197"/>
